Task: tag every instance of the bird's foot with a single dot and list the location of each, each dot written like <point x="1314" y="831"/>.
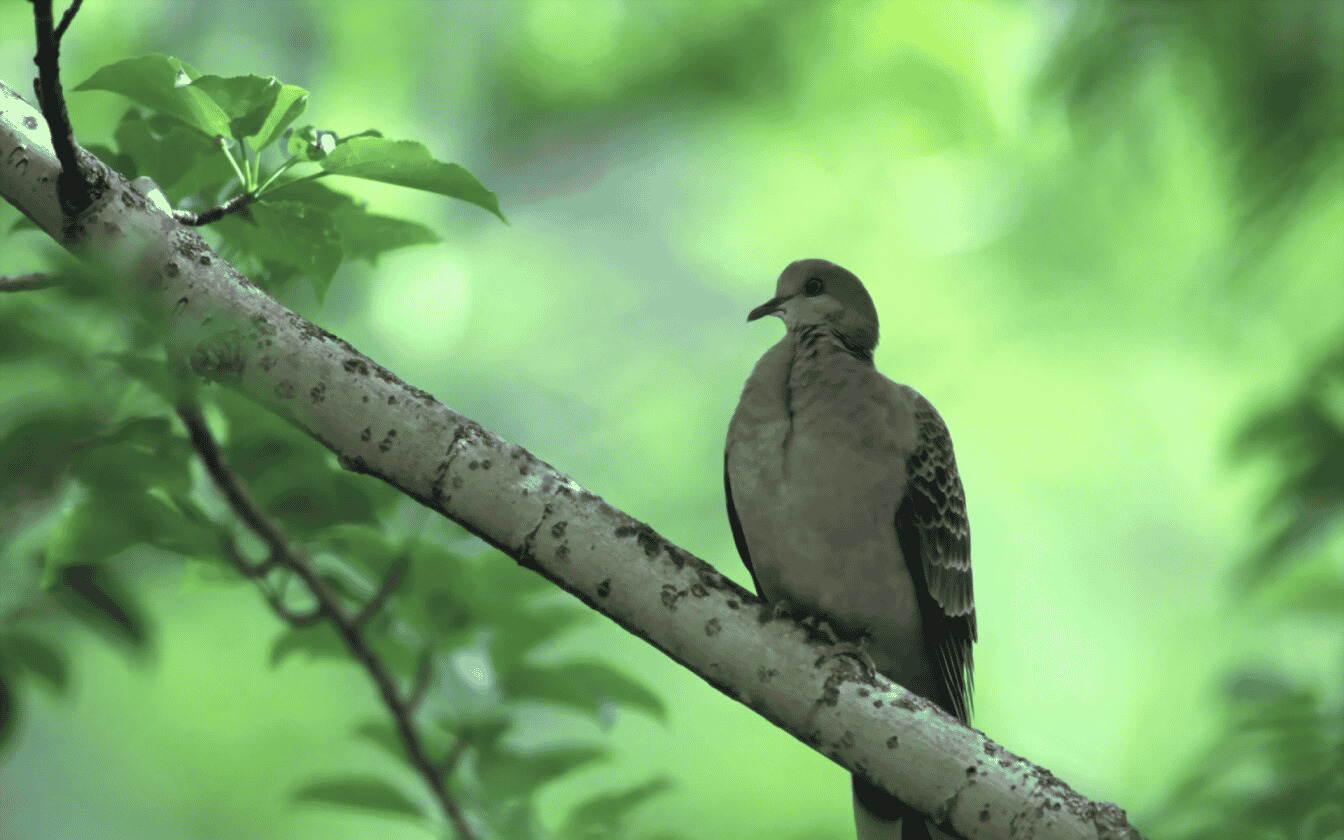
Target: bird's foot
<point x="856" y="650"/>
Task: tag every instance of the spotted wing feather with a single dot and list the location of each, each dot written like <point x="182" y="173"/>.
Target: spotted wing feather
<point x="932" y="520"/>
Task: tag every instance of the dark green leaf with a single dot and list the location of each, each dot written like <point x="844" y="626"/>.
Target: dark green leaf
<point x="384" y="735"/>
<point x="585" y="686"/>
<point x="364" y="235"/>
<point x="96" y="596"/>
<point x="9" y="710"/>
<point x="162" y="83"/>
<point x="142" y="451"/>
<point x="317" y="641"/>
<point x="246" y="100"/>
<point x="366" y="793"/>
<point x="602" y="816"/>
<point x="292" y="234"/>
<point x="181" y="160"/>
<point x="506" y="773"/>
<point x="408" y="164"/>
<point x="37" y="657"/>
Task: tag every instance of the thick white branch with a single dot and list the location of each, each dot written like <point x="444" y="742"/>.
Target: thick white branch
<point x="232" y="332"/>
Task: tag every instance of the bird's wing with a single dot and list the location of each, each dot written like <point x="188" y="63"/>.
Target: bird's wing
<point x="932" y="526"/>
<point x="738" y="536"/>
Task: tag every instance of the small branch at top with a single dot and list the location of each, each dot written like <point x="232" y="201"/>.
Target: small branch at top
<point x="72" y="186"/>
<point x="66" y="18"/>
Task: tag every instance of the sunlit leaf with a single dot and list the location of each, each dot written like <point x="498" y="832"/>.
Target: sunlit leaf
<point x="246" y="100"/>
<point x="364" y="235"/>
<point x="365" y="793"/>
<point x="164" y="84"/>
<point x="292" y="234"/>
<point x="289" y="105"/>
<point x="407" y="164"/>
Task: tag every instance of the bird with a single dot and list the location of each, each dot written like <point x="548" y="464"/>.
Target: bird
<point x="847" y="508"/>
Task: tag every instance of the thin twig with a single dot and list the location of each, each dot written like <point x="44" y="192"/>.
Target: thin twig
<point x="384" y="591"/>
<point x="423" y="671"/>
<point x="72" y="187"/>
<point x="26" y="282"/>
<point x="256" y="519"/>
<point x="454" y="756"/>
<point x="66" y="18"/>
<point x="214" y="214"/>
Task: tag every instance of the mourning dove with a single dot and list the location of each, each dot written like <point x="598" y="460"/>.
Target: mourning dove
<point x="847" y="508"/>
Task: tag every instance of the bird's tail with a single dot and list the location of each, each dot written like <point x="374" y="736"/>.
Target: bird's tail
<point x="880" y="816"/>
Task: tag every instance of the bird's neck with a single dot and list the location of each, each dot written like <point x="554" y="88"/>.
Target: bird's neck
<point x="815" y="340"/>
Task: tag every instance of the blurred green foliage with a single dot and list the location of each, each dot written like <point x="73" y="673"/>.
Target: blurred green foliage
<point x="1104" y="237"/>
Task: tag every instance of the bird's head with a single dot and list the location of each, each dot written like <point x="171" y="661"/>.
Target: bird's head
<point x="814" y="293"/>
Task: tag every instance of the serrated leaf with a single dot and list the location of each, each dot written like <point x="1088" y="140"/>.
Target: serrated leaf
<point x="507" y="773"/>
<point x="162" y="83"/>
<point x="37" y="657"/>
<point x="246" y="100"/>
<point x="407" y="163"/>
<point x="366" y="793"/>
<point x="601" y="816"/>
<point x="317" y="641"/>
<point x="586" y="686"/>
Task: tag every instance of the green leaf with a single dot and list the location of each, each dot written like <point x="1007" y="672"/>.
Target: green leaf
<point x="602" y="816"/>
<point x="317" y="641"/>
<point x="9" y="710"/>
<point x="311" y="143"/>
<point x="143" y="450"/>
<point x="289" y="104"/>
<point x="97" y="597"/>
<point x="586" y="686"/>
<point x="366" y="793"/>
<point x="292" y="234"/>
<point x="407" y="164"/>
<point x="37" y="657"/>
<point x="164" y="84"/>
<point x="364" y="235"/>
<point x="506" y="773"/>
<point x="246" y="100"/>
<point x="180" y="159"/>
<point x="382" y="734"/>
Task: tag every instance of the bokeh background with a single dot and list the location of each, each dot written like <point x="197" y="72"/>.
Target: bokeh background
<point x="1104" y="238"/>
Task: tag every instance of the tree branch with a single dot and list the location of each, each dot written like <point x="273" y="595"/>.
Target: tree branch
<point x="234" y="333"/>
<point x="328" y="607"/>
<point x="214" y="214"/>
<point x="73" y="187"/>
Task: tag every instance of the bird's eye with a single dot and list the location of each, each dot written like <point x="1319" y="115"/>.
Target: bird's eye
<point x="812" y="287"/>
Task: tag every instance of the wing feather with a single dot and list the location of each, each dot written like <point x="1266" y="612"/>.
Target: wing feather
<point x="934" y="509"/>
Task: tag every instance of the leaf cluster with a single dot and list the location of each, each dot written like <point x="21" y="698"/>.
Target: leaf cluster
<point x="102" y="477"/>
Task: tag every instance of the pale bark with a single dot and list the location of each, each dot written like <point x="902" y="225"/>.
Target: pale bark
<point x="234" y="333"/>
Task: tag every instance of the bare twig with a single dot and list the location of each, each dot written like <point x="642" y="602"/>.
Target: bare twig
<point x="384" y="591"/>
<point x="328" y="606"/>
<point x="423" y="672"/>
<point x="454" y="756"/>
<point x="26" y="282"/>
<point x="72" y="186"/>
<point x="66" y="18"/>
<point x="214" y="214"/>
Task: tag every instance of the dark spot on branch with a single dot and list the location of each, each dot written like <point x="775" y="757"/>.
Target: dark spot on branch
<point x="366" y="435"/>
<point x="284" y="389"/>
<point x="713" y="627"/>
<point x="604" y="588"/>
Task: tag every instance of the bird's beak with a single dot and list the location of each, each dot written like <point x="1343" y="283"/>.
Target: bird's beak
<point x="770" y="307"/>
